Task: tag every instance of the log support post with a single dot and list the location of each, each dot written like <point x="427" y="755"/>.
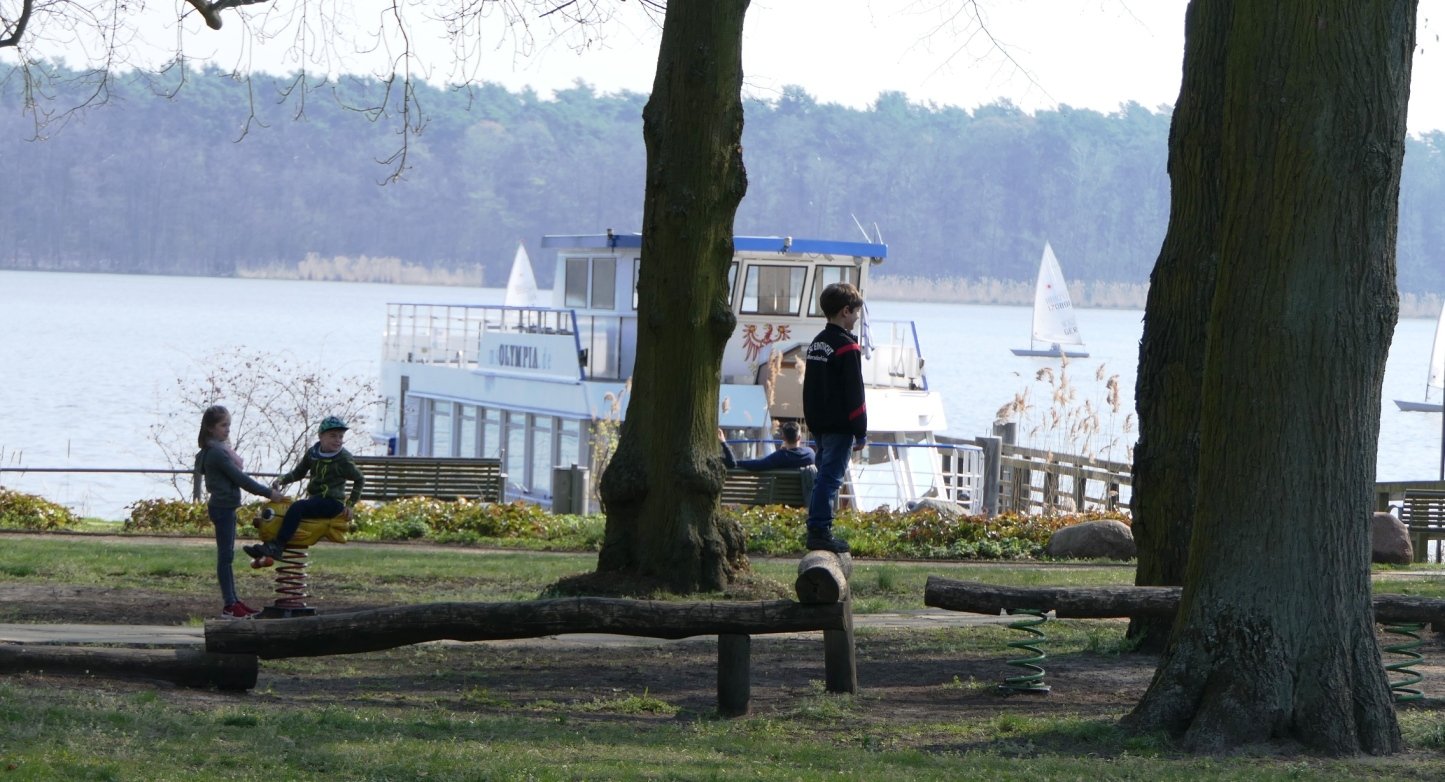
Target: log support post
<point x="734" y="674"/>
<point x="823" y="579"/>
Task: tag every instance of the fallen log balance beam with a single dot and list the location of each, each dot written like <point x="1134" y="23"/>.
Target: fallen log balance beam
<point x="1123" y="601"/>
<point x="186" y="667"/>
<point x="388" y="628"/>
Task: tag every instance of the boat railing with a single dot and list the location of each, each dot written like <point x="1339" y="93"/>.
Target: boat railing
<point x="452" y="334"/>
<point x="900" y="475"/>
<point x="895" y="360"/>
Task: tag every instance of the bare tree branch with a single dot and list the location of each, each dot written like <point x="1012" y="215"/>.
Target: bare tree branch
<point x="14" y="32"/>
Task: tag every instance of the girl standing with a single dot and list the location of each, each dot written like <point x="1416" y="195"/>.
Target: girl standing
<point x="224" y="476"/>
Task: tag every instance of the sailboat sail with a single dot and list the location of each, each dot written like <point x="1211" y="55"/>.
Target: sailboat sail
<point x="1054" y="319"/>
<point x="1054" y="322"/>
<point x="1435" y="378"/>
<point x="521" y="285"/>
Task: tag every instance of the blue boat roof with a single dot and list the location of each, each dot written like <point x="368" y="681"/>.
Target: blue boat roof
<point x="768" y="244"/>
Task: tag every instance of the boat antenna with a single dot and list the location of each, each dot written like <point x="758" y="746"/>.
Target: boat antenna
<point x="861" y="229"/>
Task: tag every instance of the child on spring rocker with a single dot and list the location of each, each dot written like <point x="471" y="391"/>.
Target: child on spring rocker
<point x="327" y="467"/>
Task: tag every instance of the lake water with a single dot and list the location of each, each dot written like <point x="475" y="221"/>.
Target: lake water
<point x="89" y="363"/>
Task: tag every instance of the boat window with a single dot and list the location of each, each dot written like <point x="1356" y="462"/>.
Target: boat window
<point x="636" y="275"/>
<point x="541" y="454"/>
<point x="491" y="432"/>
<point x="441" y="429"/>
<point x="823" y="276"/>
<point x="604" y="283"/>
<point x="467" y="431"/>
<point x="732" y="282"/>
<point x="515" y="457"/>
<point x="569" y="443"/>
<point x="773" y="290"/>
<point x="576" y="283"/>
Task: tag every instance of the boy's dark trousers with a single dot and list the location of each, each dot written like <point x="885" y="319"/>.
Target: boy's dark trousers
<point x="309" y="508"/>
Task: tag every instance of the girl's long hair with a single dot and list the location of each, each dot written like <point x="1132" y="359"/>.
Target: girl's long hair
<point x="209" y="419"/>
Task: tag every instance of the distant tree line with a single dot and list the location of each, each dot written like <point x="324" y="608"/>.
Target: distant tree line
<point x="219" y="177"/>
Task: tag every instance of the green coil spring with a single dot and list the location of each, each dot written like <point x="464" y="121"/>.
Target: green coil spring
<point x="1032" y="679"/>
<point x="1404" y="688"/>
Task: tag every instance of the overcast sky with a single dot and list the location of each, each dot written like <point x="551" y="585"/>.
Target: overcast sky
<point x="1043" y="53"/>
<point x="1093" y="54"/>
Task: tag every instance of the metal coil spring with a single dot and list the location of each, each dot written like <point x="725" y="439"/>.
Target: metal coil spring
<point x="291" y="578"/>
<point x="1404" y="688"/>
<point x="1032" y="679"/>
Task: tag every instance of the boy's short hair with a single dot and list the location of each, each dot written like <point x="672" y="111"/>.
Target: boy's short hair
<point x="789" y="430"/>
<point x="839" y="296"/>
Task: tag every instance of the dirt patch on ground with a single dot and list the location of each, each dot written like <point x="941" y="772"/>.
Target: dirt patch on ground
<point x="905" y="675"/>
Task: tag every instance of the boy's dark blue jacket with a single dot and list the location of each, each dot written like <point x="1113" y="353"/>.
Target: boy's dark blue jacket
<point x="833" y="400"/>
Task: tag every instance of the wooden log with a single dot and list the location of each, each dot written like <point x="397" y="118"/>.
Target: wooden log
<point x="387" y="628"/>
<point x="1124" y="601"/>
<point x="734" y="674"/>
<point x="823" y="577"/>
<point x="840" y="656"/>
<point x="1065" y="602"/>
<point x="186" y="667"/>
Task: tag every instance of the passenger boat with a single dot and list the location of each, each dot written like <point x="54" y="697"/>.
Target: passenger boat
<point x="539" y="386"/>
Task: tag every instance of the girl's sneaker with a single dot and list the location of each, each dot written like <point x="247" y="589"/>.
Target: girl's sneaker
<point x="238" y="610"/>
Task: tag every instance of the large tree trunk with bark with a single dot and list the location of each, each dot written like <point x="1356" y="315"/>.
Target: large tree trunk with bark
<point x="660" y="489"/>
<point x="1171" y="352"/>
<point x="1275" y="638"/>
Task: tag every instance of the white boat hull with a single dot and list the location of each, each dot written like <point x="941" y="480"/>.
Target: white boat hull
<point x="1418" y="407"/>
<point x="1051" y="352"/>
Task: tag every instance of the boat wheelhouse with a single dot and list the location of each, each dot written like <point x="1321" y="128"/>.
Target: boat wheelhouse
<point x="543" y="388"/>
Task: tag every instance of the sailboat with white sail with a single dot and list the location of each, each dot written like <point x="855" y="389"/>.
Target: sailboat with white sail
<point x="521" y="284"/>
<point x="1054" y="322"/>
<point x="1436" y="375"/>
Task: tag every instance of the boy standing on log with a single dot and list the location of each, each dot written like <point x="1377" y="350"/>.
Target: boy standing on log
<point x="834" y="407"/>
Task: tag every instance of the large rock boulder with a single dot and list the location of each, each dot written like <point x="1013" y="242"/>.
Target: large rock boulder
<point x="1106" y="539"/>
<point x="1390" y="541"/>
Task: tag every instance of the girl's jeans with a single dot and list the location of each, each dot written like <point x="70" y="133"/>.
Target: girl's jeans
<point x="224" y="520"/>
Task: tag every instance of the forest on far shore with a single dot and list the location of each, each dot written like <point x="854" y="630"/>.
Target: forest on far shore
<point x="204" y="180"/>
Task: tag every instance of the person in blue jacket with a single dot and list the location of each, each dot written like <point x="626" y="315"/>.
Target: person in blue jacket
<point x="792" y="454"/>
<point x="834" y="407"/>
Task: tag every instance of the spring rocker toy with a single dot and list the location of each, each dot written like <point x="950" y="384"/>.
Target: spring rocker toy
<point x="291" y="573"/>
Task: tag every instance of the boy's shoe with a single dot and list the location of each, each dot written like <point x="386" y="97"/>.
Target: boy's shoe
<point x="238" y="610"/>
<point x="824" y="541"/>
<point x="262" y="550"/>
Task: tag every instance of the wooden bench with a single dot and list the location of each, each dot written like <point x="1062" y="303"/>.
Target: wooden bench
<point x="395" y="477"/>
<point x="1423" y="514"/>
<point x="767" y="487"/>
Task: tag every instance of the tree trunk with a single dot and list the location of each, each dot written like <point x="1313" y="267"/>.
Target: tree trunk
<point x="660" y="489"/>
<point x="1275" y="638"/>
<point x="1171" y="352"/>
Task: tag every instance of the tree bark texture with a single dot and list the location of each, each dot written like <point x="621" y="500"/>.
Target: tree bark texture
<point x="1274" y="638"/>
<point x="388" y="628"/>
<point x="1171" y="351"/>
<point x="660" y="489"/>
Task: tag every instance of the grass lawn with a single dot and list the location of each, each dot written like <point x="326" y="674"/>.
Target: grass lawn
<point x="585" y="709"/>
